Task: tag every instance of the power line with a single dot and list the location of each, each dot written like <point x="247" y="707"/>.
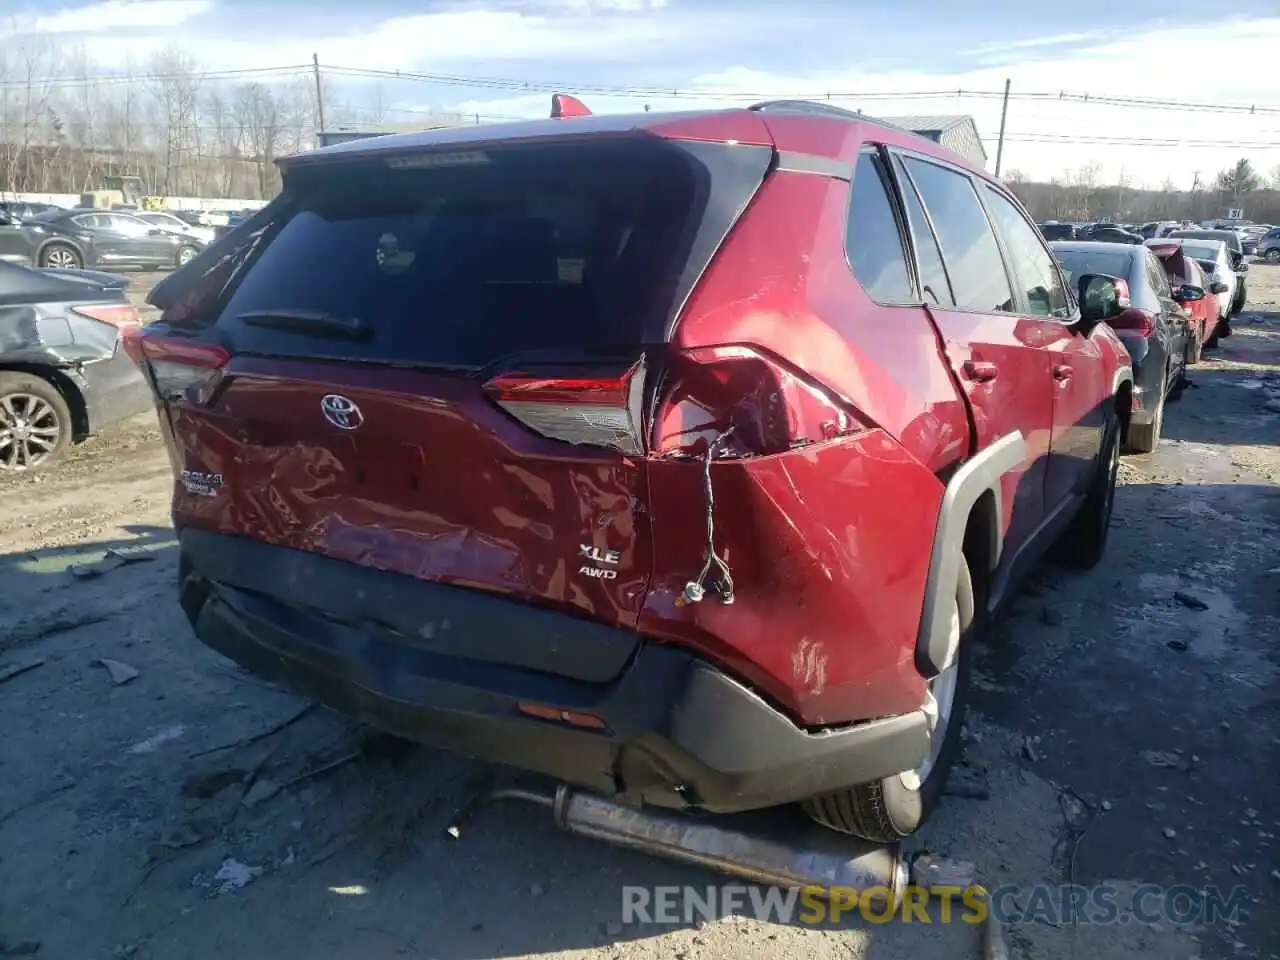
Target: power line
<point x="639" y="91"/>
<point x="124" y="79"/>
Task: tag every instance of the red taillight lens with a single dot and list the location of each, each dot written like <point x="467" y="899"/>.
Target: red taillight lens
<point x="1134" y="320"/>
<point x="764" y="405"/>
<point x="115" y="314"/>
<point x="178" y="369"/>
<point x="601" y="409"/>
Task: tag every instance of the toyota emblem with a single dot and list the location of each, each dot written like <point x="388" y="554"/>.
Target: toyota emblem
<point x="341" y="411"/>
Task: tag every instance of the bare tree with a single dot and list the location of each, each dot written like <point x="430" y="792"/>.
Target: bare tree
<point x="259" y="116"/>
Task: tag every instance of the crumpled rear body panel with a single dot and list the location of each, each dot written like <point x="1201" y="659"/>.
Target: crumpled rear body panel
<point x="829" y="547"/>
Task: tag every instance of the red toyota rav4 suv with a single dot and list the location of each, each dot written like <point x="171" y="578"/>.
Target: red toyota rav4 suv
<point x="675" y="456"/>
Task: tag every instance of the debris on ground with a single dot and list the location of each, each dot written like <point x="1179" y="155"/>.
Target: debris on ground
<point x="119" y="671"/>
<point x="18" y="669"/>
<point x="1189" y="601"/>
<point x="167" y="735"/>
<point x="234" y="875"/>
<point x="1163" y="758"/>
<point x="113" y="560"/>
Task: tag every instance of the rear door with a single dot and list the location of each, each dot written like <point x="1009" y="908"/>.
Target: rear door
<point x="1001" y="359"/>
<point x="438" y="361"/>
<point x="1076" y="361"/>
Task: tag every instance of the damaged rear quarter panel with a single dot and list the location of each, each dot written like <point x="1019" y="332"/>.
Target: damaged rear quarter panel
<point x="828" y="546"/>
<point x="31" y="335"/>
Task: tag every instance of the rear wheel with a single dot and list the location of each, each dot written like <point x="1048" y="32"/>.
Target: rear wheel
<point x="35" y="422"/>
<point x="1273" y="255"/>
<point x="888" y="810"/>
<point x="185" y="256"/>
<point x="1085" y="541"/>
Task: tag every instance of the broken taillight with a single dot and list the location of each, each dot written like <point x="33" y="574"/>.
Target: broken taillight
<point x="755" y="404"/>
<point x="601" y="409"/>
<point x="178" y="369"/>
<point x="115" y="314"/>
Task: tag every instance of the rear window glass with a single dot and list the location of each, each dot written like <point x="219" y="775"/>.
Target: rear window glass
<point x="547" y="247"/>
<point x="1076" y="263"/>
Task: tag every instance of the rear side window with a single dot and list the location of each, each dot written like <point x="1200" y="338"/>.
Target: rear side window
<point x="571" y="248"/>
<point x="1031" y="262"/>
<point x="872" y="238"/>
<point x="933" y="273"/>
<point x="968" y="245"/>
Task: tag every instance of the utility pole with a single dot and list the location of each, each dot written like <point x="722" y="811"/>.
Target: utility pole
<point x="315" y="69"/>
<point x="1004" y="113"/>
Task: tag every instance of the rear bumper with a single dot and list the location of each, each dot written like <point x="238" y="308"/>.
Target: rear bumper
<point x="675" y="730"/>
<point x="113" y="390"/>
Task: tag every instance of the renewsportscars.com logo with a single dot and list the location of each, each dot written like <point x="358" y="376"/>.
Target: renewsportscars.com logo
<point x="1068" y="904"/>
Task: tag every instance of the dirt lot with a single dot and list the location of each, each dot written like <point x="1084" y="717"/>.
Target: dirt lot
<point x="1126" y="730"/>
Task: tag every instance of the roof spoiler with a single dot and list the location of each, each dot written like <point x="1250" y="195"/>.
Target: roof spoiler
<point x="563" y="105"/>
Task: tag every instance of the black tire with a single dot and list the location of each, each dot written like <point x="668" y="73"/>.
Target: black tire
<point x="1084" y="541"/>
<point x="1145" y="437"/>
<point x="1272" y="255"/>
<point x="184" y="256"/>
<point x="35" y="423"/>
<point x="1238" y="303"/>
<point x="888" y="810"/>
<point x="61" y="255"/>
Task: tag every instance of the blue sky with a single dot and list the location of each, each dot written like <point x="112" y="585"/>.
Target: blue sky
<point x="1171" y="49"/>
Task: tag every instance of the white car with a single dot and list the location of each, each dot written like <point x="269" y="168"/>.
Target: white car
<point x="1216" y="262"/>
<point x="167" y="221"/>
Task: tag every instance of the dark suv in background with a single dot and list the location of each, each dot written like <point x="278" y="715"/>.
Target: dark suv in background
<point x="676" y="456"/>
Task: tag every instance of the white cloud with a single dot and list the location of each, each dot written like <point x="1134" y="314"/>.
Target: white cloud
<point x="114" y="15"/>
<point x="1142" y="64"/>
<point x="403" y="43"/>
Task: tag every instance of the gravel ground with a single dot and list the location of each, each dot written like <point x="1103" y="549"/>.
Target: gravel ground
<point x="1125" y="731"/>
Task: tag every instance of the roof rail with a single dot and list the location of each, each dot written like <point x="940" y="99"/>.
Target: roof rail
<point x="805" y="106"/>
<point x="822" y="110"/>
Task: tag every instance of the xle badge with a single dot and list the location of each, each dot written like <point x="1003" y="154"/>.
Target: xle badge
<point x="598" y="562"/>
<point x="201" y="484"/>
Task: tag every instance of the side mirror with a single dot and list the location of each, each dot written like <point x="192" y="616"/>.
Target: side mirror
<point x="1099" y="298"/>
<point x="1188" y="293"/>
<point x="1218" y="287"/>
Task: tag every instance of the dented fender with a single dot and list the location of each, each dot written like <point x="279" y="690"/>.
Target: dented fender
<point x="33" y="335"/>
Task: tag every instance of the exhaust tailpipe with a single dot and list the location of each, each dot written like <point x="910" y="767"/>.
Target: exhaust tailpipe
<point x="769" y="847"/>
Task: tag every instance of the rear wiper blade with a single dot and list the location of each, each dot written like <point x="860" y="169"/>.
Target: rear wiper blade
<point x="314" y="322"/>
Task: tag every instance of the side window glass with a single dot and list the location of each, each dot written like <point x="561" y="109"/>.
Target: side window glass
<point x="1159" y="279"/>
<point x="873" y="241"/>
<point x="968" y="245"/>
<point x="933" y="273"/>
<point x="1032" y="263"/>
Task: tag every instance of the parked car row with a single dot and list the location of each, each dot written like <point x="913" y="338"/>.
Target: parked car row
<point x="1176" y="297"/>
<point x="79" y="238"/>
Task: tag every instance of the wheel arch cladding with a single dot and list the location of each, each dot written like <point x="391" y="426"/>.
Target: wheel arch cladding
<point x="978" y="478"/>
